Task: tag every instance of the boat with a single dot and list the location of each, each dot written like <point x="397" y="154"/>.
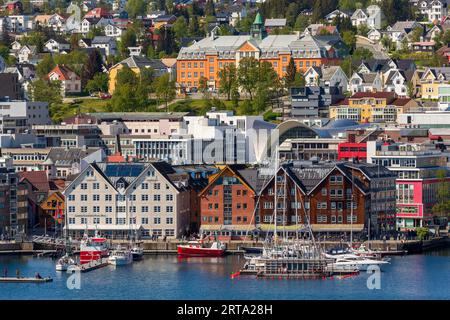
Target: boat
<point x="64" y="263"/>
<point x="137" y="253"/>
<point x="93" y="248"/>
<point x="27" y="280"/>
<point x="253" y="250"/>
<point x="199" y="249"/>
<point x="120" y="257"/>
<point x="359" y="263"/>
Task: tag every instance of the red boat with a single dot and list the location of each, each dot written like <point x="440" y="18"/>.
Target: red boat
<point x="198" y="249"/>
<point x="93" y="248"/>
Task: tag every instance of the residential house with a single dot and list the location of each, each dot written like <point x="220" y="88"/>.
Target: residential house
<point x="56" y="45"/>
<point x="97" y="13"/>
<point x="423" y="46"/>
<point x="70" y="81"/>
<point x="331" y="76"/>
<point x="27" y="54"/>
<point x="52" y="211"/>
<point x="164" y="20"/>
<point x="371" y="17"/>
<point x="337" y="13"/>
<point x="273" y="24"/>
<point x="136" y="64"/>
<point x="444" y="52"/>
<point x="374" y="35"/>
<point x="12" y="7"/>
<point x="430" y="81"/>
<point x="365" y="82"/>
<point x="237" y="13"/>
<point x="433" y="10"/>
<point x="400" y="31"/>
<point x="106" y="43"/>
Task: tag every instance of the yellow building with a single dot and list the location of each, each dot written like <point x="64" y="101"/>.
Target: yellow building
<point x="136" y="64"/>
<point x="371" y="107"/>
<point x="430" y="81"/>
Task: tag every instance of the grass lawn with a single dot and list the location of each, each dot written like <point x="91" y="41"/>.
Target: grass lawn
<point x="78" y="105"/>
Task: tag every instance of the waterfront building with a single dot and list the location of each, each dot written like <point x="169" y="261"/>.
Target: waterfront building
<point x="119" y="199"/>
<point x="444" y="97"/>
<point x="208" y="56"/>
<point x="323" y="192"/>
<point x="13" y="201"/>
<point x="52" y="211"/>
<point x="26" y="159"/>
<point x="68" y="135"/>
<point x="416" y="168"/>
<point x="425" y="119"/>
<point x="372" y="107"/>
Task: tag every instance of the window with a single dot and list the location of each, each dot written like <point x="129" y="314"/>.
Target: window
<point x="157" y="186"/>
<point x="144" y="186"/>
<point x="96" y="209"/>
<point x="156" y="197"/>
<point x="144" y="220"/>
<point x="120" y="221"/>
<point x="108" y="197"/>
<point x="157" y="220"/>
<point x="71" y="197"/>
<point x="96" y="220"/>
<point x="83" y="186"/>
<point x="157" y="209"/>
<point x="324" y="191"/>
<point x="83" y="209"/>
<point x="144" y="209"/>
<point x="96" y="197"/>
<point x="83" y="197"/>
<point x="96" y="186"/>
<point x="169" y="220"/>
<point x="71" y="209"/>
<point x="321" y="205"/>
<point x="169" y="209"/>
<point x="144" y="197"/>
<point x="83" y="220"/>
<point x="108" y="209"/>
<point x="71" y="220"/>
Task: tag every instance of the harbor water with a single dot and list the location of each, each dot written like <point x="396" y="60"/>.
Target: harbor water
<point x="423" y="276"/>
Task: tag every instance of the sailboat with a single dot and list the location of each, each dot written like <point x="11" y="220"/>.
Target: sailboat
<point x="67" y="260"/>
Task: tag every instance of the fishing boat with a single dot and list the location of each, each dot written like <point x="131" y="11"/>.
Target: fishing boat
<point x="93" y="248"/>
<point x="200" y="249"/>
<point x="120" y="257"/>
<point x="137" y="253"/>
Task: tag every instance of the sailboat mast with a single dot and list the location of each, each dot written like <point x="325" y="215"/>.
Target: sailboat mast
<point x="275" y="197"/>
<point x="351" y="214"/>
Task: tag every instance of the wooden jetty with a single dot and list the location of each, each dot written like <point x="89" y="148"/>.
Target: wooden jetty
<point x="92" y="265"/>
<point x="27" y="280"/>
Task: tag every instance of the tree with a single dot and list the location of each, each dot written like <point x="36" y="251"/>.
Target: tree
<point x="291" y="72"/>
<point x="99" y="82"/>
<point x="203" y="87"/>
<point x="48" y="91"/>
<point x="128" y="39"/>
<point x="93" y="66"/>
<point x="45" y="66"/>
<point x="165" y="89"/>
<point x="228" y="80"/>
<point x="248" y="75"/>
<point x="349" y="39"/>
<point x="126" y="76"/>
<point x="136" y="8"/>
<point x="362" y="54"/>
<point x="301" y="23"/>
<point x="124" y="98"/>
<point x="416" y="34"/>
<point x="180" y="28"/>
<point x="299" y="81"/>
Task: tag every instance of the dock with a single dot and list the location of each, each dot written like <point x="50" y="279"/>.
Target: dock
<point x="92" y="265"/>
<point x="26" y="280"/>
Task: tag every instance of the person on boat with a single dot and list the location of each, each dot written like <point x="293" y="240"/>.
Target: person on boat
<point x="17" y="273"/>
<point x="38" y="276"/>
<point x="5" y="272"/>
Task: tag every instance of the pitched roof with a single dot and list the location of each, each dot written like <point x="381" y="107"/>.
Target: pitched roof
<point x="377" y="95"/>
<point x="275" y="23"/>
<point x="64" y="73"/>
<point x="143" y="62"/>
<point x="67" y="156"/>
<point x="38" y="179"/>
<point x="102" y="40"/>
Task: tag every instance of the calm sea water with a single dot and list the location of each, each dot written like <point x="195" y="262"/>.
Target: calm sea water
<point x="168" y="277"/>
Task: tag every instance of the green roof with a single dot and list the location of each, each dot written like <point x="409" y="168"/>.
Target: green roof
<point x="258" y="19"/>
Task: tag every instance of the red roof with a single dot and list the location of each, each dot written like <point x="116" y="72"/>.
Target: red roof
<point x="38" y="179"/>
<point x="63" y="72"/>
<point x="97" y="13"/>
<point x="115" y="158"/>
<point x="379" y="95"/>
<point x="401" y="101"/>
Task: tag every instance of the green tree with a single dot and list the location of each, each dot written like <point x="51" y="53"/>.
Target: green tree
<point x="180" y="27"/>
<point x="291" y="72"/>
<point x="362" y="54"/>
<point x="98" y="83"/>
<point x="248" y="74"/>
<point x="349" y="39"/>
<point x="128" y="39"/>
<point x="299" y="81"/>
<point x="45" y="66"/>
<point x="136" y="8"/>
<point x="301" y="22"/>
<point x="203" y="87"/>
<point x="93" y="66"/>
<point x="165" y="89"/>
<point x="126" y="76"/>
<point x="228" y="80"/>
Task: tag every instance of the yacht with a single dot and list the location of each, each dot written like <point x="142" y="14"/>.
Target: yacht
<point x="355" y="262"/>
<point x="64" y="263"/>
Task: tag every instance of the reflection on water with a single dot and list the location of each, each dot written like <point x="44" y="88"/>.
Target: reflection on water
<point x="170" y="277"/>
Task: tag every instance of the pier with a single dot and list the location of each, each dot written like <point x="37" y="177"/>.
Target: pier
<point x="92" y="265"/>
<point x="27" y="280"/>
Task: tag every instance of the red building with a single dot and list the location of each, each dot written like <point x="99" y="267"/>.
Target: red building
<point x="352" y="150"/>
<point x="227" y="203"/>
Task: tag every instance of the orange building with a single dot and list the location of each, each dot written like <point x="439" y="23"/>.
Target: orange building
<point x="206" y="57"/>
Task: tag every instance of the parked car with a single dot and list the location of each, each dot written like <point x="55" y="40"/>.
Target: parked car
<point x="105" y="96"/>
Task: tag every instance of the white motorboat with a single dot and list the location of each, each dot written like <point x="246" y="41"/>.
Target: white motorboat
<point x="137" y="253"/>
<point x="120" y="257"/>
<point x="64" y="263"/>
<point x="351" y="263"/>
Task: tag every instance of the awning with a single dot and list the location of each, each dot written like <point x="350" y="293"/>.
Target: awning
<point x="337" y="227"/>
<point x="104" y="227"/>
<point x="231" y="227"/>
<point x="271" y="227"/>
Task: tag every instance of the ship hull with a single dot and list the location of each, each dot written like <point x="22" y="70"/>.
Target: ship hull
<point x="199" y="252"/>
